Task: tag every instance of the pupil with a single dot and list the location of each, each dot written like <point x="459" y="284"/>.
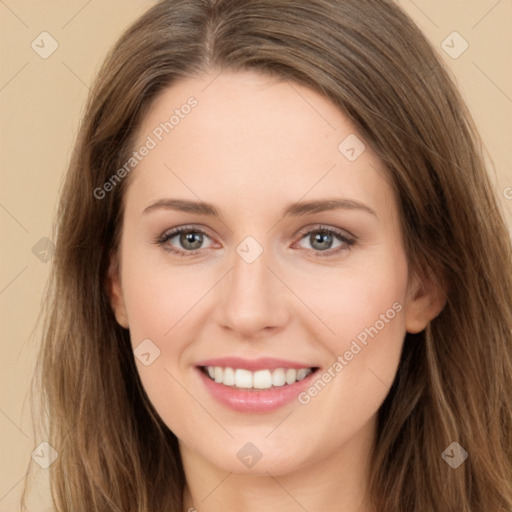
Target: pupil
<point x="187" y="239"/>
<point x="322" y="237"/>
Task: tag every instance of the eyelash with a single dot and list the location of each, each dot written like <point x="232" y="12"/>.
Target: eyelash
<point x="349" y="242"/>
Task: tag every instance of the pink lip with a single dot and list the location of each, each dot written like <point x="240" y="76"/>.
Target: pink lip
<point x="255" y="400"/>
<point x="264" y="363"/>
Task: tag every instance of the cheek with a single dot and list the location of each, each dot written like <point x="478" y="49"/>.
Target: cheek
<point x="159" y="297"/>
<point x="364" y="310"/>
<point x="360" y="302"/>
<point x="161" y="303"/>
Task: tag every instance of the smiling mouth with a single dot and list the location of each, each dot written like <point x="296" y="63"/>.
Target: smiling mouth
<point x="239" y="378"/>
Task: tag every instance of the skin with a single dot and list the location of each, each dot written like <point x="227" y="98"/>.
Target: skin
<point x="252" y="146"/>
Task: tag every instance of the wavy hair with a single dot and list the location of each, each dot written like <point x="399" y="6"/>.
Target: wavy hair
<point x="454" y="381"/>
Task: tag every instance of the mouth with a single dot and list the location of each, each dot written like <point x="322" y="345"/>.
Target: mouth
<point x="241" y="378"/>
<point x="255" y="386"/>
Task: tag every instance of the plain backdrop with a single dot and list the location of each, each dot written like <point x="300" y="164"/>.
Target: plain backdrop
<point x="41" y="101"/>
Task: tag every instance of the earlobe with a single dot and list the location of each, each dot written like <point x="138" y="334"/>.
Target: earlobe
<point x="426" y="300"/>
<point x="115" y="293"/>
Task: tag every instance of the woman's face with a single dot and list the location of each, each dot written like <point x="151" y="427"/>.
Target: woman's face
<point x="292" y="260"/>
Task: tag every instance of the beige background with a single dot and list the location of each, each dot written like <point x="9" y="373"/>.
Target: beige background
<point x="40" y="105"/>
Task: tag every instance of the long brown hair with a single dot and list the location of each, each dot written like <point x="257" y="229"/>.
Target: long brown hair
<point x="454" y="382"/>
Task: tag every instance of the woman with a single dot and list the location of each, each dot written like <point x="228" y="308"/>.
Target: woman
<point x="281" y="276"/>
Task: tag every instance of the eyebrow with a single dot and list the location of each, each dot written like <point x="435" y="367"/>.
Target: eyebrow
<point x="293" y="210"/>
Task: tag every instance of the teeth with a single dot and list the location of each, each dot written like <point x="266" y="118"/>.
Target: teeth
<point x="229" y="377"/>
<point x="302" y="374"/>
<point x="261" y="379"/>
<point x="243" y="378"/>
<point x="291" y="376"/>
<point x="278" y="377"/>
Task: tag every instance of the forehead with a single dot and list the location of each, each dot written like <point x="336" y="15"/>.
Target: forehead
<point x="253" y="140"/>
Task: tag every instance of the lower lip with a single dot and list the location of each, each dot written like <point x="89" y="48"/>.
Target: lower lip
<point x="261" y="400"/>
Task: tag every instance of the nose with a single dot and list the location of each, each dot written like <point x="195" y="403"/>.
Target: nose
<point x="253" y="301"/>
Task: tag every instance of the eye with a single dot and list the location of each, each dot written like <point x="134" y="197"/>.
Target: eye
<point x="188" y="239"/>
<point x="323" y="239"/>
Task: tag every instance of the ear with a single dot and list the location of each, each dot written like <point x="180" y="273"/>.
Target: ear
<point x="425" y="300"/>
<point x="115" y="292"/>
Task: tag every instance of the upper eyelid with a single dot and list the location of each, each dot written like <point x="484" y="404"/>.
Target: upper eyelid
<point x="172" y="232"/>
<point x="323" y="227"/>
<point x="305" y="230"/>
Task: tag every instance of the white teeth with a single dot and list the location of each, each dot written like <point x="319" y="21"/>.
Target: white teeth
<point x="229" y="377"/>
<point x="243" y="378"/>
<point x="278" y="377"/>
<point x="291" y="376"/>
<point x="302" y="374"/>
<point x="261" y="379"/>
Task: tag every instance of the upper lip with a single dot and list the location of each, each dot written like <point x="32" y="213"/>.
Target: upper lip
<point x="264" y="363"/>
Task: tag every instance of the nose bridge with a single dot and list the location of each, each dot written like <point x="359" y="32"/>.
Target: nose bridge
<point x="253" y="296"/>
